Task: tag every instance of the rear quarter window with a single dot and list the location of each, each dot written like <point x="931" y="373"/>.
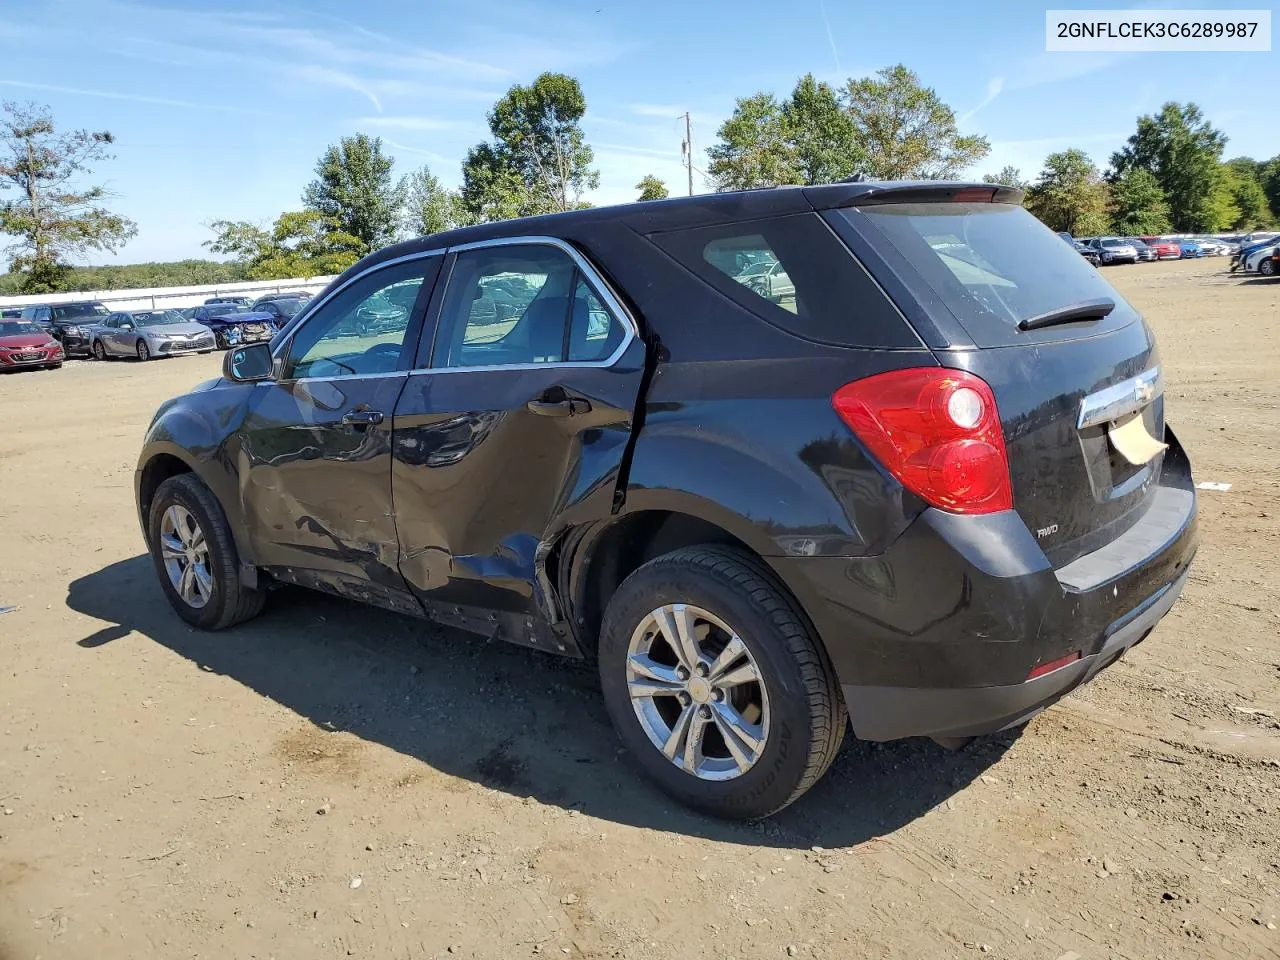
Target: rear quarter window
<point x="796" y="274"/>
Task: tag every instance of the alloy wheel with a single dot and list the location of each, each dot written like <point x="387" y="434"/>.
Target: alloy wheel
<point x="185" y="553"/>
<point x="697" y="692"/>
<point x="99" y="351"/>
<point x="144" y="352"/>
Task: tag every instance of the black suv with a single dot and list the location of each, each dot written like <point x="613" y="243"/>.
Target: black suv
<point x="921" y="481"/>
<point x="68" y="323"/>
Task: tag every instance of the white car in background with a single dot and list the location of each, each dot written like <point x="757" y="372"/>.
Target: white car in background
<point x="1213" y="247"/>
<point x="1262" y="260"/>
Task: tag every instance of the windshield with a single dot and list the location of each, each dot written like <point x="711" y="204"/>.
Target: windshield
<point x="18" y="329"/>
<point x="988" y="261"/>
<point x="157" y="318"/>
<point x="1115" y="243"/>
<point x="225" y="309"/>
<point x="79" y="311"/>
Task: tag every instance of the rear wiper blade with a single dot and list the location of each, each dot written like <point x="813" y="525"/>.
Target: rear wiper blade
<point x="1084" y="310"/>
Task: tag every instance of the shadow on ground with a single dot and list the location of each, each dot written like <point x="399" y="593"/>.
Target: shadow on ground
<point x="512" y="719"/>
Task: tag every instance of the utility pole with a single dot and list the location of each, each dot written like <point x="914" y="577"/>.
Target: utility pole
<point x="687" y="149"/>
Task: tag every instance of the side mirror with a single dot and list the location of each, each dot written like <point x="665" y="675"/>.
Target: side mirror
<point x="126" y="325"/>
<point x="248" y="364"/>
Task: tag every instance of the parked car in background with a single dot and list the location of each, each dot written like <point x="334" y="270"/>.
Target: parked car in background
<point x="1248" y="249"/>
<point x="764" y="526"/>
<point x="1145" y="253"/>
<point x="1087" y="252"/>
<point x="214" y="301"/>
<point x="145" y="334"/>
<point x="1213" y="247"/>
<point x="1113" y="250"/>
<point x="280" y="310"/>
<point x="10" y="313"/>
<point x="25" y="344"/>
<point x="1261" y="259"/>
<point x="68" y="322"/>
<point x="1163" y="249"/>
<point x="1190" y="248"/>
<point x="234" y="324"/>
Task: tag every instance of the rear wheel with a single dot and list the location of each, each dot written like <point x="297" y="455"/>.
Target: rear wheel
<point x="717" y="685"/>
<point x="99" y="351"/>
<point x="195" y="557"/>
<point x="144" y="352"/>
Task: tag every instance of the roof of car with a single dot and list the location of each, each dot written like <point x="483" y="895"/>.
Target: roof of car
<point x="652" y="216"/>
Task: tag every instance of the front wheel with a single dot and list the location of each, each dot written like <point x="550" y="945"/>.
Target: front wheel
<point x="195" y="557"/>
<point x="99" y="351"/>
<point x="717" y="685"/>
<point x="1267" y="268"/>
<point x="144" y="352"/>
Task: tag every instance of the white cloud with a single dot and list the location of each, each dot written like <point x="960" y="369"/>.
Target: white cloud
<point x="995" y="86"/>
<point x="132" y="98"/>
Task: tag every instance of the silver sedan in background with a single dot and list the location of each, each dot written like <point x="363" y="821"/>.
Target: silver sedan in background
<point x="149" y="333"/>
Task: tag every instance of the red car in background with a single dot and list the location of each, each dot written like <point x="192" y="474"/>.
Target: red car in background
<point x="1164" y="249"/>
<point x="23" y="344"/>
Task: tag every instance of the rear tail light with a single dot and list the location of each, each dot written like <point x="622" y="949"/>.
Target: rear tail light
<point x="937" y="431"/>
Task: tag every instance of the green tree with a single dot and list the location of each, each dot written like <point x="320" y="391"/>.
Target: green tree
<point x="1182" y="150"/>
<point x="1009" y="177"/>
<point x="300" y="243"/>
<point x="905" y="129"/>
<point x="751" y="148"/>
<point x="353" y="189"/>
<point x="651" y="188"/>
<point x="808" y="138"/>
<point x="1069" y="195"/>
<point x="539" y="160"/>
<point x="1242" y="181"/>
<point x="1269" y="177"/>
<point x="53" y="219"/>
<point x="1138" y="206"/>
<point x="819" y="134"/>
<point x="428" y="207"/>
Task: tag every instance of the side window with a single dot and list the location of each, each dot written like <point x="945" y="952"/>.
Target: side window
<point x="363" y="329"/>
<point x="794" y="273"/>
<point x="516" y="305"/>
<point x="751" y="262"/>
<point x="594" y="332"/>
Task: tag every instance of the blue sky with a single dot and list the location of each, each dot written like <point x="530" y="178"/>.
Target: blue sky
<point x="220" y="109"/>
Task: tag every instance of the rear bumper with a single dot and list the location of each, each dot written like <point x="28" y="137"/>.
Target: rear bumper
<point x="937" y="635"/>
<point x="890" y="713"/>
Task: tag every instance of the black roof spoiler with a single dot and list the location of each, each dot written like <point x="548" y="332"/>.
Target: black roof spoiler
<point x="860" y="192"/>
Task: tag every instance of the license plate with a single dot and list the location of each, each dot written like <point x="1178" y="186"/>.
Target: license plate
<point x="27" y="356"/>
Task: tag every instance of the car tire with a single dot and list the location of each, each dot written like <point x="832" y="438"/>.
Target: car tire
<point x="224" y="601"/>
<point x="796" y="698"/>
<point x="143" y="351"/>
<point x="1267" y="268"/>
<point x="99" y="351"/>
<point x="220" y="341"/>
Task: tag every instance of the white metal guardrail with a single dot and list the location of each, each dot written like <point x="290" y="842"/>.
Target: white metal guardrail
<point x="151" y="298"/>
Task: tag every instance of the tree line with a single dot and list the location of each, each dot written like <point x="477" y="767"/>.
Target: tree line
<point x="1169" y="176"/>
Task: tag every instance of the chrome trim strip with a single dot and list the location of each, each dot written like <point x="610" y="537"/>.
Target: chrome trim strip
<point x="1120" y="399"/>
<point x="341" y="377"/>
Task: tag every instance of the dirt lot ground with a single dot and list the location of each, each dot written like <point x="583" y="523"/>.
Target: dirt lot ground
<point x="331" y="781"/>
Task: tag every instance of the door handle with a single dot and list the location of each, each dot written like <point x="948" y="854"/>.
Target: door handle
<point x="558" y="408"/>
<point x="362" y="418"/>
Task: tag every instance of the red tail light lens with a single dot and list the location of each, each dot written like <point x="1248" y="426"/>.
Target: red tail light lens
<point x="937" y="431"/>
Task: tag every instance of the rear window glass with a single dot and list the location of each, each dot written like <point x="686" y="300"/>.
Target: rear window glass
<point x="795" y="273"/>
<point x="989" y="263"/>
